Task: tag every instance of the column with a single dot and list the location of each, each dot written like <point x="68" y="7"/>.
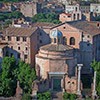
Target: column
<point x="63" y="83"/>
<point x="79" y="78"/>
<point x="94" y="86"/>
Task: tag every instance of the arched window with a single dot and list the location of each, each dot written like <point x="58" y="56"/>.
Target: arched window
<point x="54" y="40"/>
<point x="74" y="16"/>
<point x="64" y="40"/>
<point x="76" y="9"/>
<point x="72" y="41"/>
<point x="77" y="16"/>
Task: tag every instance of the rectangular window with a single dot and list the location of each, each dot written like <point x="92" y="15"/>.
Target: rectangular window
<point x="11" y="47"/>
<point x="26" y="48"/>
<point x="9" y="38"/>
<point x="17" y="38"/>
<point x="3" y="37"/>
<point x="18" y="48"/>
<point x="40" y="41"/>
<point x="25" y="56"/>
<point x="24" y="39"/>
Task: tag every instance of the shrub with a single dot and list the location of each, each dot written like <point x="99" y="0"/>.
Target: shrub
<point x="69" y="96"/>
<point x="26" y="97"/>
<point x="44" y="96"/>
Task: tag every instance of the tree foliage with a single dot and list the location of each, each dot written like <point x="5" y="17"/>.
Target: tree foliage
<point x="12" y="15"/>
<point x="44" y="96"/>
<point x="49" y="17"/>
<point x="26" y="96"/>
<point x="96" y="67"/>
<point x="12" y="71"/>
<point x="69" y="96"/>
<point x="25" y="75"/>
<point x="7" y="84"/>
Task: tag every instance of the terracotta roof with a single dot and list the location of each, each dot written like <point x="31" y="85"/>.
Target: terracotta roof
<point x="56" y="47"/>
<point x="43" y="24"/>
<point x="15" y="31"/>
<point x="87" y="27"/>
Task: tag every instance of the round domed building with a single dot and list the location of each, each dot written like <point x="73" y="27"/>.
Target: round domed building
<point x="56" y="65"/>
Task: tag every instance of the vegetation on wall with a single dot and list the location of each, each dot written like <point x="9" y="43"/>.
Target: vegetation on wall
<point x="13" y="71"/>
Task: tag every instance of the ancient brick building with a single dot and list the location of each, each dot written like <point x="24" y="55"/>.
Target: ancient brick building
<point x="56" y="65"/>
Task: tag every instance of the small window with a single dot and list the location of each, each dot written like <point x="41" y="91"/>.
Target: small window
<point x="78" y="16"/>
<point x="72" y="82"/>
<point x="9" y="38"/>
<point x="72" y="41"/>
<point x="18" y="48"/>
<point x="3" y="37"/>
<point x="11" y="47"/>
<point x="82" y="35"/>
<point x="69" y="16"/>
<point x="54" y="40"/>
<point x="68" y="82"/>
<point x="97" y="24"/>
<point x="40" y="41"/>
<point x="26" y="48"/>
<point x="17" y="38"/>
<point x="64" y="40"/>
<point x="18" y="56"/>
<point x="64" y="27"/>
<point x="24" y="39"/>
<point x="74" y="16"/>
<point x="88" y="36"/>
<point x="76" y="9"/>
<point x="25" y="56"/>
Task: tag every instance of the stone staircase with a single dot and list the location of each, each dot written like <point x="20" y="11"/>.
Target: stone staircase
<point x="57" y="95"/>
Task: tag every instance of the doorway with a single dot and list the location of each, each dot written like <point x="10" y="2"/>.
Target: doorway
<point x="57" y="84"/>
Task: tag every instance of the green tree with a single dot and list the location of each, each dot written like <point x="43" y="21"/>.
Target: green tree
<point x="69" y="96"/>
<point x="16" y="14"/>
<point x="7" y="80"/>
<point x="12" y="71"/>
<point x="65" y="96"/>
<point x="25" y="74"/>
<point x="96" y="67"/>
<point x="44" y="96"/>
<point x="26" y="97"/>
<point x="49" y="17"/>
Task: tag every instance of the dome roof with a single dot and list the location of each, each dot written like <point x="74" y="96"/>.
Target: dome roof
<point x="56" y="48"/>
<point x="56" y="34"/>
